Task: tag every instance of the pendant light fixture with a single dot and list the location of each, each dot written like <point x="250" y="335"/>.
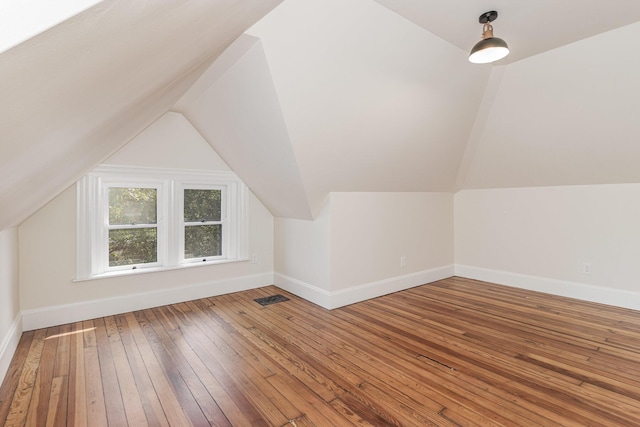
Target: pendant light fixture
<point x="490" y="48"/>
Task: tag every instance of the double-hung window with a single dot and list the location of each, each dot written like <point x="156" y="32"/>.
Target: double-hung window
<point x="141" y="219"/>
<point x="203" y="223"/>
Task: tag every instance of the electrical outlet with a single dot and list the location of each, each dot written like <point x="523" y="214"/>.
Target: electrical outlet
<point x="254" y="259"/>
<point x="586" y="268"/>
<point x="403" y="261"/>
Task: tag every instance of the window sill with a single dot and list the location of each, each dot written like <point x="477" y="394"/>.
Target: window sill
<point x="121" y="273"/>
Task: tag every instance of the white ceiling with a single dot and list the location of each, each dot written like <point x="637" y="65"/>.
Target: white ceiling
<point x="74" y="94"/>
<point x="336" y="95"/>
<point x="22" y="19"/>
<point x="364" y="108"/>
<point x="528" y="27"/>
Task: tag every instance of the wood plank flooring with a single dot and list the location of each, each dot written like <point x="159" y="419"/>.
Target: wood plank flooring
<point x="456" y="352"/>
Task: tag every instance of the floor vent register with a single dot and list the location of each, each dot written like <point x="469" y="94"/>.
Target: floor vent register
<point x="271" y="299"/>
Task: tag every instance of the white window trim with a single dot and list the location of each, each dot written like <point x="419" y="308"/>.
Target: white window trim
<point x="171" y="182"/>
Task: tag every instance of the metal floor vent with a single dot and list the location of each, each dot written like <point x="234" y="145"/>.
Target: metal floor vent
<point x="271" y="299"/>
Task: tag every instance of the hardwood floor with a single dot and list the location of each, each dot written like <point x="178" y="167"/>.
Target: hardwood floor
<point x="454" y="352"/>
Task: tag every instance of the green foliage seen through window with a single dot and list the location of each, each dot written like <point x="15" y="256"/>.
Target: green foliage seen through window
<point x="130" y="207"/>
<point x="201" y="238"/>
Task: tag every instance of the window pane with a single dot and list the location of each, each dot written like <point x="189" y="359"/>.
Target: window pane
<point x="132" y="205"/>
<point x="202" y="205"/>
<point x="202" y="241"/>
<point x="133" y="246"/>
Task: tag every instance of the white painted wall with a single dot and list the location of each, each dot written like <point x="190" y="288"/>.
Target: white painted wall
<point x="371" y="231"/>
<point x="352" y="251"/>
<point x="10" y="321"/>
<point x="171" y="142"/>
<point x="302" y="253"/>
<point x="539" y="238"/>
<point x="48" y="293"/>
<point x="302" y="249"/>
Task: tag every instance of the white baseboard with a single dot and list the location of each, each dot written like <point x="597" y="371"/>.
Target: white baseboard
<point x="69" y="313"/>
<point x="304" y="290"/>
<point x="9" y="345"/>
<point x="585" y="292"/>
<point x="335" y="299"/>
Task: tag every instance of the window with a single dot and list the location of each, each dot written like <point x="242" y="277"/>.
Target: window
<point x="202" y="225"/>
<point x="132" y="224"/>
<point x="141" y="219"/>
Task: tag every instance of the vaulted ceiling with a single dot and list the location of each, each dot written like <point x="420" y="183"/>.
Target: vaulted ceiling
<point x="329" y="95"/>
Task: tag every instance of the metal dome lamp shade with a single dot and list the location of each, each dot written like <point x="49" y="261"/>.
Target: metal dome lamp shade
<point x="490" y="48"/>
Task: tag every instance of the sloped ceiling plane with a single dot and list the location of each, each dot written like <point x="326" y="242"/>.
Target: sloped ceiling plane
<point x="305" y="97"/>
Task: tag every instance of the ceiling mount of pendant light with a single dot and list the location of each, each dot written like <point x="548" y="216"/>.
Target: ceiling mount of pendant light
<point x="490" y="48"/>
